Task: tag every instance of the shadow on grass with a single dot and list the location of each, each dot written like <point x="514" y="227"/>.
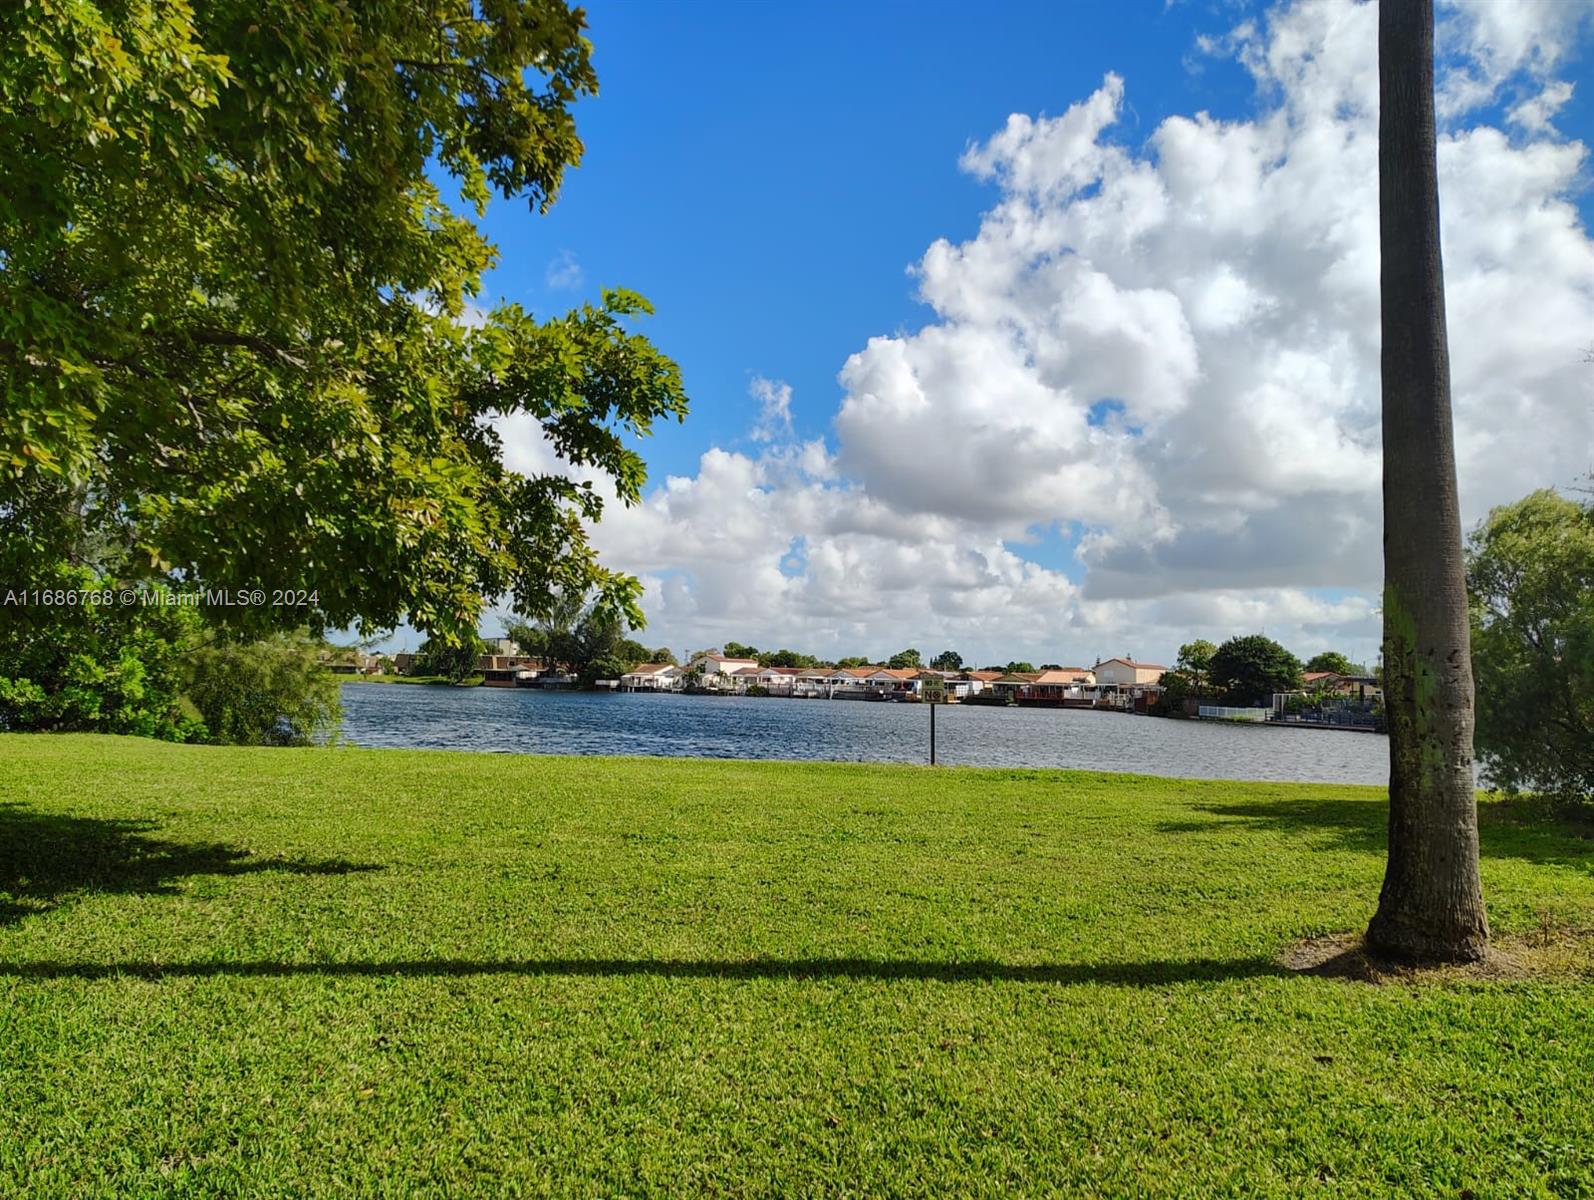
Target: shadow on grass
<point x="46" y="859"/>
<point x="1131" y="974"/>
<point x="1507" y="828"/>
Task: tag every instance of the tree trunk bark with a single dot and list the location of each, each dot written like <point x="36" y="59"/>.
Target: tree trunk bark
<point x="1431" y="906"/>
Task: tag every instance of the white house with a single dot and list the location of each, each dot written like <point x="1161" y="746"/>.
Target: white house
<point x="719" y="664"/>
<point x="652" y="677"/>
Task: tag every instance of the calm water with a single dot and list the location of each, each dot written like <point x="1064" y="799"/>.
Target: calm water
<point x="532" y="722"/>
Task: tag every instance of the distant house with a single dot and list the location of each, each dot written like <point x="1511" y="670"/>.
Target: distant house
<point x="1011" y="684"/>
<point x="780" y="681"/>
<point x="1127" y="684"/>
<point x="1125" y="673"/>
<point x="509" y="670"/>
<point x="1361" y="687"/>
<point x="652" y="677"/>
<point x="979" y="681"/>
<point x="718" y="671"/>
<point x="1060" y="686"/>
<point x="811" y="681"/>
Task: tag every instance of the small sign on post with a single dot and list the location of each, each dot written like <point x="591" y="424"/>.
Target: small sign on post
<point x="933" y="689"/>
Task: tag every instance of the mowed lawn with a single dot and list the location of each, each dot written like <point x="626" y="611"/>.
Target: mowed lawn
<point x="346" y="972"/>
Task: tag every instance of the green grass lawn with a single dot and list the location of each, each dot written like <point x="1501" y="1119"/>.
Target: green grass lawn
<point x="347" y="972"/>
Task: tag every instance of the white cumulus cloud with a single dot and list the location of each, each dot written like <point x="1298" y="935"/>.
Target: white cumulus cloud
<point x="1164" y="354"/>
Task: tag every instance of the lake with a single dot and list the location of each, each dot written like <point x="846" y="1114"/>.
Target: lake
<point x="523" y="721"/>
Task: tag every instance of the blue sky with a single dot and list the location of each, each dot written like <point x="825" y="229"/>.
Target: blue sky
<point x="1138" y="361"/>
<point x="766" y="174"/>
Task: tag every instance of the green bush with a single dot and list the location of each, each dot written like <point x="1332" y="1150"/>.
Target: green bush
<point x="273" y="692"/>
<point x="94" y="666"/>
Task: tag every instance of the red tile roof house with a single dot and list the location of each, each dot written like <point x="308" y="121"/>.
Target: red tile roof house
<point x="1058" y="688"/>
<point x="778" y="681"/>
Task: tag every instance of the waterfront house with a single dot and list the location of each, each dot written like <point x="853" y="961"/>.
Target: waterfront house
<point x="979" y="681"/>
<point x="652" y="677"/>
<point x="718" y="670"/>
<point x="1059" y="687"/>
<point x="1126" y="672"/>
<point x="781" y="681"/>
<point x="1010" y="685"/>
<point x="1362" y="687"/>
<point x="509" y="670"/>
<point x="811" y="681"/>
<point x="1125" y="683"/>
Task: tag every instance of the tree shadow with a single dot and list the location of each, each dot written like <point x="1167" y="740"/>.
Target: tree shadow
<point x="1127" y="974"/>
<point x="47" y="858"/>
<point x="1506" y="828"/>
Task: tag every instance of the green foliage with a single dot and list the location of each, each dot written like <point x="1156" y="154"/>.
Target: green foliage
<point x="1250" y="669"/>
<point x="1177" y="687"/>
<point x="664" y="655"/>
<point x="947" y="660"/>
<point x="1019" y="668"/>
<point x="758" y="689"/>
<point x="1194" y="665"/>
<point x="273" y="692"/>
<point x="96" y="667"/>
<point x="1333" y="660"/>
<point x="787" y="658"/>
<point x="904" y="659"/>
<point x="451" y="659"/>
<point x="322" y="950"/>
<point x="232" y="301"/>
<point x="856" y="660"/>
<point x="632" y="653"/>
<point x="532" y="638"/>
<point x="585" y="639"/>
<point x="740" y="650"/>
<point x="1530" y="573"/>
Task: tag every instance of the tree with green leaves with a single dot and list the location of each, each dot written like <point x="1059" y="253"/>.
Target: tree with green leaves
<point x="947" y="660"/>
<point x="1178" y="686"/>
<point x="1249" y="670"/>
<point x="1431" y="903"/>
<point x="740" y="650"/>
<point x="1019" y="668"/>
<point x="453" y="659"/>
<point x="1530" y="574"/>
<point x="1195" y="665"/>
<point x="1335" y="662"/>
<point x="787" y="658"/>
<point x="903" y="659"/>
<point x="273" y="692"/>
<point x="235" y="345"/>
<point x="853" y="660"/>
<point x="631" y="653"/>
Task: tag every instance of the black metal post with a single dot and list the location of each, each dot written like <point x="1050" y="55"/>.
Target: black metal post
<point x="932" y="733"/>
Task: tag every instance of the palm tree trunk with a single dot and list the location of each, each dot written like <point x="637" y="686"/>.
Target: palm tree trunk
<point x="1431" y="906"/>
